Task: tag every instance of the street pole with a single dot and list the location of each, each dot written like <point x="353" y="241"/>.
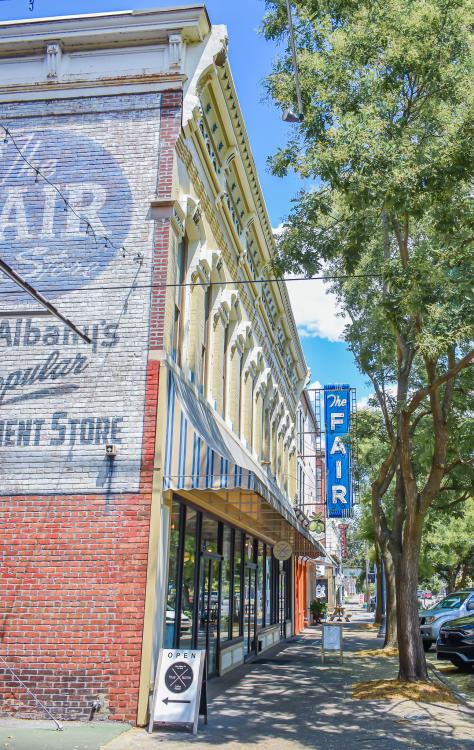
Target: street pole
<point x="383" y="619"/>
<point x="289" y="115"/>
<point x="367" y="589"/>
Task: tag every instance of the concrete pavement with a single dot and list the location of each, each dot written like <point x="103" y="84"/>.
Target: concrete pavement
<point x="288" y="700"/>
<point x="285" y="700"/>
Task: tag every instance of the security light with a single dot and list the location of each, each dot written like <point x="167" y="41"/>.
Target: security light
<point x="290" y="116"/>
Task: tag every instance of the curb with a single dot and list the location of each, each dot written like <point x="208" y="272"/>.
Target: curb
<point x="460" y="696"/>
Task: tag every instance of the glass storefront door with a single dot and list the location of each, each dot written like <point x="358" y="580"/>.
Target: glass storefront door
<point x="250" y="614"/>
<point x="208" y="615"/>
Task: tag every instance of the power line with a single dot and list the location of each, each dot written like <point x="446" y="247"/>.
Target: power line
<point x="200" y="283"/>
<point x="67" y="206"/>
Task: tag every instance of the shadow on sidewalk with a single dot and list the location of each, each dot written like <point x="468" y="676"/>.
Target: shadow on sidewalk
<point x="287" y="700"/>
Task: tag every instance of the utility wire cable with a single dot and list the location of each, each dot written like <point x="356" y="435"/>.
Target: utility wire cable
<point x="8" y="135"/>
<point x="201" y="283"/>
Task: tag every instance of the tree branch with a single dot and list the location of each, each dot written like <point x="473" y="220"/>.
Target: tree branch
<point x="418" y="397"/>
<point x="418" y="419"/>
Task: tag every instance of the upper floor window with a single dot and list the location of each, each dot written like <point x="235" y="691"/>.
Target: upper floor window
<point x="179" y="298"/>
<point x="224" y="372"/>
<point x="203" y="373"/>
<point x="240" y="387"/>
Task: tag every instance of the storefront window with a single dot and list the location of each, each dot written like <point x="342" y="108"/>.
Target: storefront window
<point x="172" y="576"/>
<point x="209" y="534"/>
<point x="226" y="581"/>
<point x="260" y="584"/>
<point x="249" y="549"/>
<point x="189" y="566"/>
<point x="237" y="592"/>
<point x="268" y="586"/>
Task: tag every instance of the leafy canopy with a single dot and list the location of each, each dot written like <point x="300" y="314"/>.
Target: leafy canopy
<point x="387" y="138"/>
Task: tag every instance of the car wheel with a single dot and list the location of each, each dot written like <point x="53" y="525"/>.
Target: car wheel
<point x="427" y="645"/>
<point x="461" y="665"/>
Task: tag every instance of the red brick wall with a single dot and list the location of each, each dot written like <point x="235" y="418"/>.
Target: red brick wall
<point x="74" y="567"/>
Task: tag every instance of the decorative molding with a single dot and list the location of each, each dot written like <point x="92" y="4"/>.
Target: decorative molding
<point x="248" y="300"/>
<point x="54" y="55"/>
<point x="175" y="51"/>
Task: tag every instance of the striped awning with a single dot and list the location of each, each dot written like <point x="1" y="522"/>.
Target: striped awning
<point x="201" y="453"/>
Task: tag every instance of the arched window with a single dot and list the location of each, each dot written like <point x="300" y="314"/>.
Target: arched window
<point x="204" y="363"/>
<point x="179" y="301"/>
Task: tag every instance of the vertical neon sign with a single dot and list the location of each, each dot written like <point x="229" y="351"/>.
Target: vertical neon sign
<point x="337" y="417"/>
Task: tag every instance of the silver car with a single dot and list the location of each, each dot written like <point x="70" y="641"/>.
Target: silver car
<point x="457" y="604"/>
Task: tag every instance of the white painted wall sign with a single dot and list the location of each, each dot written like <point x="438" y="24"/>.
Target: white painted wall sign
<point x="62" y="400"/>
<point x="178" y="686"/>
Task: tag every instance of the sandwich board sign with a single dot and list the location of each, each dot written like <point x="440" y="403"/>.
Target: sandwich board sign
<point x="180" y="692"/>
<point x="332" y="639"/>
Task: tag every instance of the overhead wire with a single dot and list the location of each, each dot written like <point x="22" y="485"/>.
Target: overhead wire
<point x="8" y="135"/>
<point x="164" y="285"/>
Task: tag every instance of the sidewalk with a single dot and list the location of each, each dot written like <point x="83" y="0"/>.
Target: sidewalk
<point x="287" y="700"/>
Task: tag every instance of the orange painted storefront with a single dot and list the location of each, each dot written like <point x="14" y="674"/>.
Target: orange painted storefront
<point x="301" y="588"/>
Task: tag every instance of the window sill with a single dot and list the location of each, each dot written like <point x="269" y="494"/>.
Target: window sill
<point x="231" y="643"/>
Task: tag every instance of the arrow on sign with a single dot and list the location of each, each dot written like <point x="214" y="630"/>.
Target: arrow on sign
<point x="170" y="700"/>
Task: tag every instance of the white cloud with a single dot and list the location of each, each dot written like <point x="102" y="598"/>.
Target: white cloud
<point x="315" y="310"/>
<point x="363" y="403"/>
<point x="314" y="307"/>
<point x="370" y="401"/>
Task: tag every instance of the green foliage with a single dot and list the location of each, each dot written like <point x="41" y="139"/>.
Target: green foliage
<point x="318" y="608"/>
<point x="387" y="141"/>
<point x="448" y="546"/>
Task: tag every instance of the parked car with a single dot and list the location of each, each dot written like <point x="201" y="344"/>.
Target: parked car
<point x="456" y="642"/>
<point x="452" y="607"/>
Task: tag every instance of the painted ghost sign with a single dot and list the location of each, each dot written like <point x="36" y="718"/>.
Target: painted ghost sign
<point x="338" y="452"/>
<point x="48" y="245"/>
<point x="62" y="400"/>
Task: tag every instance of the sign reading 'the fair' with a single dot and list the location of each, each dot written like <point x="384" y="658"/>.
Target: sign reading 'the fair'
<point x="338" y="452"/>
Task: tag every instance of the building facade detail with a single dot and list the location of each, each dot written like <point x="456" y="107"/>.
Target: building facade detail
<point x="194" y="374"/>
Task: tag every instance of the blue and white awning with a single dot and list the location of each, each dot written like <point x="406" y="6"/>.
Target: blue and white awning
<point x="202" y="454"/>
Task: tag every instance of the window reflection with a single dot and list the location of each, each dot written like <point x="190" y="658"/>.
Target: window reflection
<point x="226" y="581"/>
<point x="172" y="577"/>
<point x="260" y="585"/>
<point x="268" y="585"/>
<point x="189" y="564"/>
<point x="209" y="534"/>
<point x="236" y="599"/>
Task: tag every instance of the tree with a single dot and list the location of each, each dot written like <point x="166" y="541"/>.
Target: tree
<point x="372" y="443"/>
<point x="448" y="546"/>
<point x="387" y="142"/>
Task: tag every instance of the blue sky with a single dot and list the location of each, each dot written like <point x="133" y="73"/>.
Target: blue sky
<point x="251" y="59"/>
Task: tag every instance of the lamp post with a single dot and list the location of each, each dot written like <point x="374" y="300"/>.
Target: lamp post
<point x="288" y="114"/>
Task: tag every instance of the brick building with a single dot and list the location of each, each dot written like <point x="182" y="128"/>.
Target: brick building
<point x="146" y="476"/>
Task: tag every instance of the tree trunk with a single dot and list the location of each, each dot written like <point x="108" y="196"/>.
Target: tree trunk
<point x="411" y="654"/>
<point x="391" y="603"/>
<point x="378" y="567"/>
<point x="464" y="575"/>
